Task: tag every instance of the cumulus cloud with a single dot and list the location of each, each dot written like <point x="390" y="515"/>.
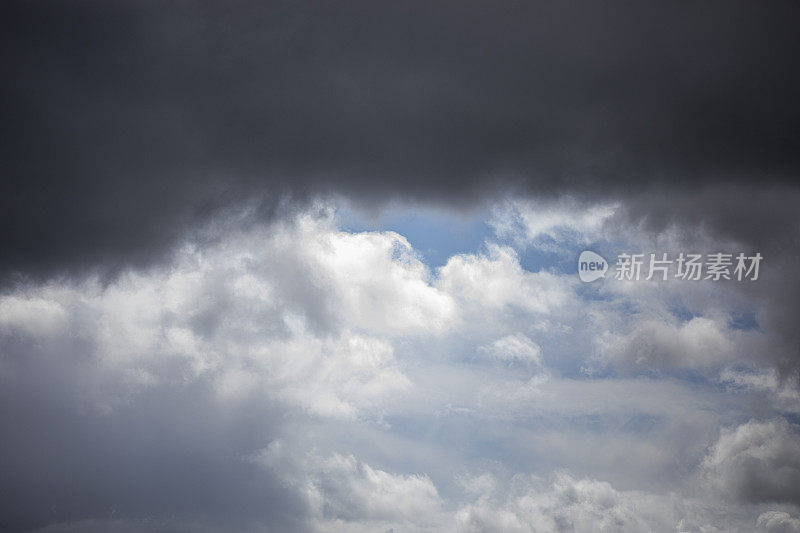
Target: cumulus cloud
<point x="497" y="282"/>
<point x="552" y="225"/>
<point x="757" y="462"/>
<point x="343" y="489"/>
<point x="189" y="341"/>
<point x="330" y="380"/>
<point x="568" y="504"/>
<point x="186" y="368"/>
<point x="232" y="315"/>
<point x="654" y="345"/>
<point x="514" y="348"/>
<point x="781" y="392"/>
<point x="778" y="522"/>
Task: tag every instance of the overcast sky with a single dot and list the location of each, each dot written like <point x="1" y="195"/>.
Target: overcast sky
<point x="312" y="267"/>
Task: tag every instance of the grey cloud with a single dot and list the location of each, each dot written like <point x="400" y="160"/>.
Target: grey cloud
<point x="137" y="405"/>
<point x="143" y="404"/>
<point x="778" y="522"/>
<point x="734" y="218"/>
<point x="757" y="462"/>
<point x="130" y="127"/>
<point x="129" y="123"/>
<point x="85" y="439"/>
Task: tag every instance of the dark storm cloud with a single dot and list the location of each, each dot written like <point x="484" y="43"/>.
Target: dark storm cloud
<point x="127" y="123"/>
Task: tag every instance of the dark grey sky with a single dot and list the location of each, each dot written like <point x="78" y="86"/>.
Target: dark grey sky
<point x="127" y="123"/>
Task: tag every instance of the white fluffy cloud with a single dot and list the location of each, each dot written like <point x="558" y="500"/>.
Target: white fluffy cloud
<point x="496" y="282"/>
<point x="514" y="348"/>
<point x="551" y="225"/>
<point x="241" y="316"/>
<point x="567" y="504"/>
<point x="653" y="345"/>
<point x="376" y="393"/>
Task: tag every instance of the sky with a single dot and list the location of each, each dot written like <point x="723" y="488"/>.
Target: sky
<point x="309" y="267"/>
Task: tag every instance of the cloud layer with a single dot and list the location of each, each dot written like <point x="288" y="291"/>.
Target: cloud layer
<point x="129" y="123"/>
<point x="205" y="325"/>
<point x="297" y="376"/>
